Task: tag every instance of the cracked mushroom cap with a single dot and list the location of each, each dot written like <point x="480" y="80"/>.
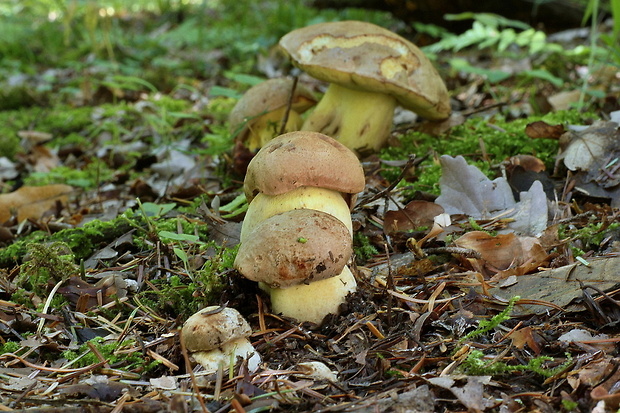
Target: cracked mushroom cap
<point x="268" y="96"/>
<point x="210" y="328"/>
<point x="303" y="158"/>
<point x="363" y="56"/>
<point x="295" y="247"/>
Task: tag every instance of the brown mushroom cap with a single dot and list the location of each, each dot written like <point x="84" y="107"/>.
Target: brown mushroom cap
<point x="209" y="329"/>
<point x="303" y="158"/>
<point x="295" y="247"/>
<point x="266" y="97"/>
<point x="363" y="56"/>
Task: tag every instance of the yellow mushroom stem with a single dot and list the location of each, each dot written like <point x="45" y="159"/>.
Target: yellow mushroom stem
<point x="359" y="120"/>
<point x="264" y="128"/>
<point x="312" y="302"/>
<point x="306" y="197"/>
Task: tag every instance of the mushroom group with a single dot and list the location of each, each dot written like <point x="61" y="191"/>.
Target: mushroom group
<point x="296" y="238"/>
<point x="370" y="70"/>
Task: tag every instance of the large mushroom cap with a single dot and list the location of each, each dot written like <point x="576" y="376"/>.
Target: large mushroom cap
<point x="266" y="97"/>
<point x="363" y="56"/>
<point x="295" y="247"/>
<point x="303" y="158"/>
<point x="209" y="328"/>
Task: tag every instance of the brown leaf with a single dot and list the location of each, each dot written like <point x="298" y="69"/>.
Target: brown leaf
<point x="525" y="336"/>
<point x="414" y="215"/>
<point x="500" y="251"/>
<point x="543" y="130"/>
<point x="527" y="162"/>
<point x="506" y="254"/>
<point x="31" y="202"/>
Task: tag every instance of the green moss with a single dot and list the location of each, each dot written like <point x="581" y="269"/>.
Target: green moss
<point x="588" y="237"/>
<point x="82" y="241"/>
<point x="9" y="347"/>
<point x="362" y="248"/>
<point x="113" y="353"/>
<point x="46" y="265"/>
<point x="58" y="121"/>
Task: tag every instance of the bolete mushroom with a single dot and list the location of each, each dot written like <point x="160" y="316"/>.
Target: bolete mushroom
<point x="215" y="335"/>
<point x="295" y="247"/>
<point x="370" y="70"/>
<point x="304" y="158"/>
<point x="257" y="117"/>
<point x="300" y="257"/>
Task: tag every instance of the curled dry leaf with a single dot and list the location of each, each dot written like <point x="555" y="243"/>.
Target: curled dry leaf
<point x="31" y="202"/>
<point x="504" y="251"/>
<point x="589" y="149"/>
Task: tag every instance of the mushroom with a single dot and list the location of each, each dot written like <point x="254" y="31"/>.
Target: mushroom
<point x="295" y="247"/>
<point x="257" y="117"/>
<point x="300" y="257"/>
<point x="370" y="70"/>
<point x="304" y="158"/>
<point x="215" y="335"/>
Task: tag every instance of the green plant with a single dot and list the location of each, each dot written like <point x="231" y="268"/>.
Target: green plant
<point x="485" y="326"/>
<point x="475" y="365"/>
<point x="493" y="31"/>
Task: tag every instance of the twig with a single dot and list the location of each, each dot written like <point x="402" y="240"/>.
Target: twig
<point x="289" y="104"/>
<point x="412" y="159"/>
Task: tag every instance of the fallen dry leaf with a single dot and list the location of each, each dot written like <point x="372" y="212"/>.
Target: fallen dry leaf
<point x="527" y="162"/>
<point x="503" y="251"/>
<point x="526" y="337"/>
<point x="590" y="149"/>
<point x="414" y="215"/>
<point x="31" y="202"/>
<point x="560" y="286"/>
<point x="543" y="130"/>
<point x="466" y="190"/>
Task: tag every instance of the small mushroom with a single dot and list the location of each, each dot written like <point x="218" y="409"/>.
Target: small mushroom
<point x="370" y="70"/>
<point x="215" y="335"/>
<point x="257" y="117"/>
<point x="304" y="158"/>
<point x="295" y="247"/>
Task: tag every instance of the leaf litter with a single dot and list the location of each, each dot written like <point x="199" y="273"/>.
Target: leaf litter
<point x="402" y="343"/>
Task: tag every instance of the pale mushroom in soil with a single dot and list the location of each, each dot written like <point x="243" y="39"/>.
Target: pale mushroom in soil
<point x="216" y="336"/>
<point x="370" y="71"/>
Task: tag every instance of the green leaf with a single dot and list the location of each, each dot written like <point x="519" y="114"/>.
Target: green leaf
<point x="178" y="237"/>
<point x="156" y="210"/>
<point x="181" y="254"/>
<point x="493" y="76"/>
<point x="224" y="91"/>
<point x="545" y="75"/>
